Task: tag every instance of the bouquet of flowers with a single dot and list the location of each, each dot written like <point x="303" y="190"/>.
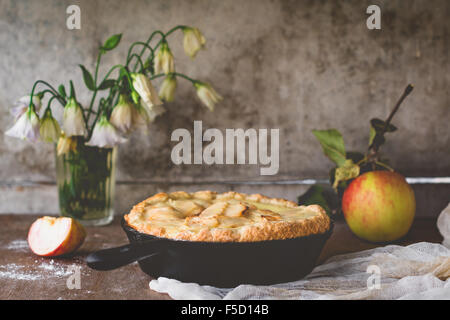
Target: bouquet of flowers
<point x="132" y="100"/>
<point x="86" y="138"/>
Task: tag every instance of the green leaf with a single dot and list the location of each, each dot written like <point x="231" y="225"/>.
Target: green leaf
<point x="348" y="171"/>
<point x="355" y="156"/>
<point x="87" y="77"/>
<point x="108" y="83"/>
<point x="62" y="91"/>
<point x="377" y="131"/>
<point x="324" y="196"/>
<point x="314" y="195"/>
<point x="379" y="124"/>
<point x="332" y="144"/>
<point x="112" y="42"/>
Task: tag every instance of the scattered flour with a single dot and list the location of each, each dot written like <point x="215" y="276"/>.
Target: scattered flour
<point x="19" y="245"/>
<point x="42" y="271"/>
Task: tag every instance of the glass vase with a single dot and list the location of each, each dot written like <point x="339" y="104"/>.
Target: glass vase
<point x="86" y="181"/>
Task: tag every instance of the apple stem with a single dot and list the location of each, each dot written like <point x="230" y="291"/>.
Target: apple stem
<point x="407" y="91"/>
<point x="384" y="165"/>
<point x="374" y="148"/>
<point x="372" y="154"/>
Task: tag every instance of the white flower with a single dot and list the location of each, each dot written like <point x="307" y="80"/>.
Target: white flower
<point x="140" y="117"/>
<point x="26" y="127"/>
<point x="65" y="144"/>
<point x="105" y="135"/>
<point x="207" y="95"/>
<point x="73" y="120"/>
<point x="164" y="60"/>
<point x="22" y="105"/>
<point x="167" y="90"/>
<point x="152" y="110"/>
<point x="193" y="41"/>
<point x="145" y="89"/>
<point x="50" y="130"/>
<point x="121" y="116"/>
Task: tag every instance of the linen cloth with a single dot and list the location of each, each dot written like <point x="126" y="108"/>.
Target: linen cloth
<point x="417" y="271"/>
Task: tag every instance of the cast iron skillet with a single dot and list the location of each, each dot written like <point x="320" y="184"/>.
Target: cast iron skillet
<point x="221" y="264"/>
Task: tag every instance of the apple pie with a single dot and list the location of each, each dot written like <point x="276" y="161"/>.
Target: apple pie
<point x="225" y="217"/>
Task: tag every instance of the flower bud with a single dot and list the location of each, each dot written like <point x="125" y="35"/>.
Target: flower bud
<point x="193" y="41"/>
<point x="121" y="116"/>
<point x="50" y="130"/>
<point x="73" y="120"/>
<point x="140" y="117"/>
<point x="167" y="90"/>
<point x="164" y="60"/>
<point x="105" y="135"/>
<point x="207" y="95"/>
<point x="145" y="89"/>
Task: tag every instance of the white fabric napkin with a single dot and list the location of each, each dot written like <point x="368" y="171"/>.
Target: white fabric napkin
<point x="417" y="271"/>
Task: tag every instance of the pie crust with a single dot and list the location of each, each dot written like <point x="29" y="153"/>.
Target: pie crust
<point x="226" y="217"/>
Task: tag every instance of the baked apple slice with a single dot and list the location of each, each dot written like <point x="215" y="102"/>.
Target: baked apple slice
<point x="50" y="236"/>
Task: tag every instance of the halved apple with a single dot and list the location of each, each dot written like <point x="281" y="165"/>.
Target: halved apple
<point x="50" y="236"/>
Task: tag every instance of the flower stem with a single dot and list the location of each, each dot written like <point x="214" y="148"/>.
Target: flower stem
<point x="163" y="38"/>
<point x="145" y="46"/>
<point x="147" y="43"/>
<point x="99" y="56"/>
<point x="52" y="90"/>
<point x="138" y="58"/>
<point x="174" y="74"/>
<point x="168" y="33"/>
<point x="49" y="103"/>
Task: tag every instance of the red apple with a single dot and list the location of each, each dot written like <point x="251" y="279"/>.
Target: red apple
<point x="379" y="206"/>
<point x="50" y="236"/>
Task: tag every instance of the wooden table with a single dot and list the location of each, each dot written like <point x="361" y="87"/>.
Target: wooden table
<point x="26" y="276"/>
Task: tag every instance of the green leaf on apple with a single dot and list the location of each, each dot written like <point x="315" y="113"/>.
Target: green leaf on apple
<point x="348" y="171"/>
<point x="355" y="156"/>
<point x="314" y="195"/>
<point x="332" y="144"/>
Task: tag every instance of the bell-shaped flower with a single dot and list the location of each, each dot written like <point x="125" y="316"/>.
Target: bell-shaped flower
<point x="105" y="135"/>
<point x="207" y="94"/>
<point x="145" y="89"/>
<point x="193" y="41"/>
<point x="140" y="117"/>
<point x="50" y="130"/>
<point x="73" y="120"/>
<point x="152" y="110"/>
<point x="168" y="87"/>
<point x="65" y="144"/>
<point x="21" y="106"/>
<point x="164" y="60"/>
<point x="26" y="127"/>
<point x="122" y="114"/>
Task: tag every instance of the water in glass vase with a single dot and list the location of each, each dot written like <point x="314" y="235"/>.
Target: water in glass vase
<point x="86" y="181"/>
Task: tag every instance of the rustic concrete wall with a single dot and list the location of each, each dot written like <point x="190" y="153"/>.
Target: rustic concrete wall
<point x="294" y="65"/>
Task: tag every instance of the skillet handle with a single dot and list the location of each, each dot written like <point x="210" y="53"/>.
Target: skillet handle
<point x="112" y="258"/>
